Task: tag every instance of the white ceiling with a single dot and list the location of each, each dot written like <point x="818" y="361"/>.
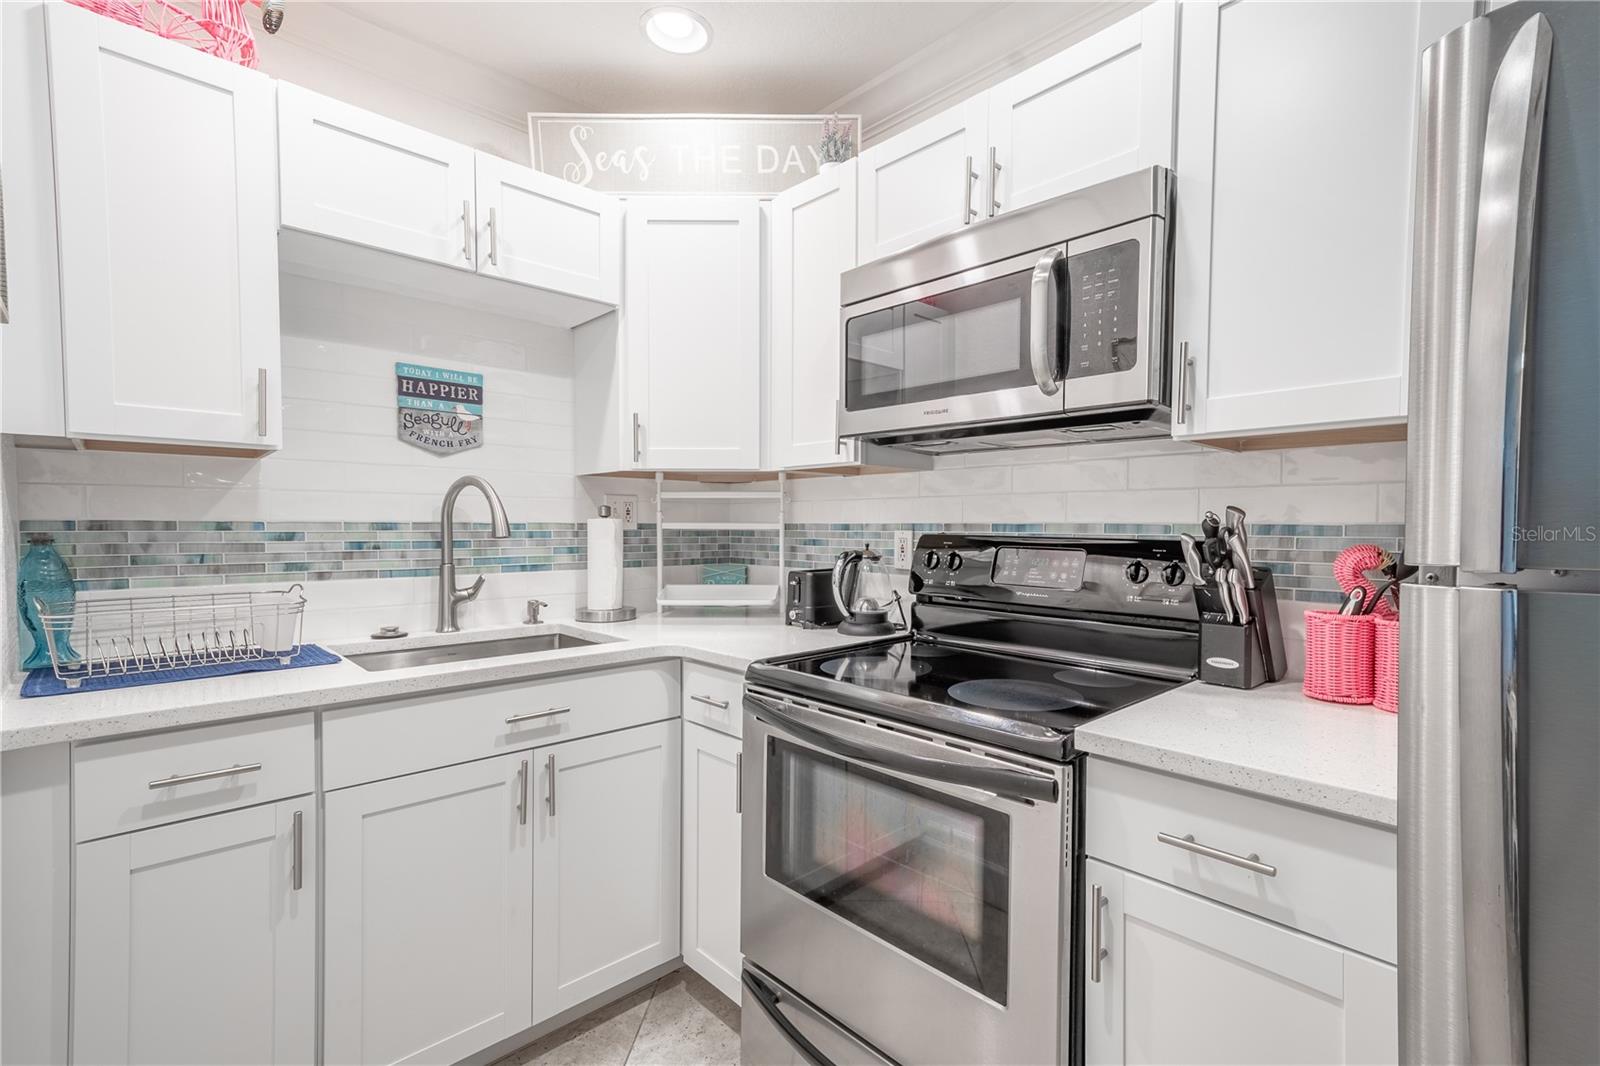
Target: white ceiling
<point x="769" y="56"/>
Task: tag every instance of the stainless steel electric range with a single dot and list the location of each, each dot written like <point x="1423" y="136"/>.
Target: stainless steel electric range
<point x="910" y="829"/>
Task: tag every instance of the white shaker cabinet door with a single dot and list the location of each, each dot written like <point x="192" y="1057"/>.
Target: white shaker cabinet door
<point x="367" y="179"/>
<point x="1183" y="979"/>
<point x="813" y="244"/>
<point x="693" y="331"/>
<point x="711" y="778"/>
<point x="605" y="862"/>
<point x="428" y="941"/>
<point x="924" y="182"/>
<point x="540" y="230"/>
<point x="1097" y="110"/>
<point x="167" y="227"/>
<point x="196" y="942"/>
<point x="1293" y="216"/>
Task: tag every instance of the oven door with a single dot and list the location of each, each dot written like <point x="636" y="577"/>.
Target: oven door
<point x="980" y="346"/>
<point x="911" y="889"/>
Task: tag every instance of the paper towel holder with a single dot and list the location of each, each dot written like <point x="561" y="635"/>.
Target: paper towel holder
<point x="615" y="614"/>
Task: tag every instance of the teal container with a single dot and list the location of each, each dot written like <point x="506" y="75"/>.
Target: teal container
<point x="724" y="574"/>
<point x="44" y="575"/>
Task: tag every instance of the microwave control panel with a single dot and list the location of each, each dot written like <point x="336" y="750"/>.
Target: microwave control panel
<point x="1102" y="301"/>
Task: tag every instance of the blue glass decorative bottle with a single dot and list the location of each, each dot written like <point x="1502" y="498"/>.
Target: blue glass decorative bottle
<point x="43" y="575"/>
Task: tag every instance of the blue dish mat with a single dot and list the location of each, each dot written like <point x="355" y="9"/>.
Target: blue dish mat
<point x="43" y="682"/>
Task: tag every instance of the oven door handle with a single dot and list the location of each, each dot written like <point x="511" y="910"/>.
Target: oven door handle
<point x="769" y="1000"/>
<point x="998" y="780"/>
<point x="1040" y="354"/>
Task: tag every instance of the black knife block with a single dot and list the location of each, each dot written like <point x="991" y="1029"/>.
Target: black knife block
<point x="1241" y="656"/>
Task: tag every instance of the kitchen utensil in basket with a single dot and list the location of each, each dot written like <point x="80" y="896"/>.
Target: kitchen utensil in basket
<point x="145" y="633"/>
<point x="1339" y="655"/>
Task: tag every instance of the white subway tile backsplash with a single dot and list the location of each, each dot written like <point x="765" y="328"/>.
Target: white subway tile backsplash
<point x="1165" y="506"/>
<point x="1087" y="474"/>
<point x="1205" y="468"/>
<point x="1344" y="504"/>
<point x="1392" y="502"/>
<point x="966" y="481"/>
<point x="1354" y="462"/>
<point x="1034" y="507"/>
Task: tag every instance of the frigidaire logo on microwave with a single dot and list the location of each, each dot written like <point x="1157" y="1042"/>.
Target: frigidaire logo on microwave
<point x="936" y="410"/>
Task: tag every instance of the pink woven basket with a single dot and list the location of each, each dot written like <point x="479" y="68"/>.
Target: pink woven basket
<point x="1339" y="657"/>
<point x="1386" y="664"/>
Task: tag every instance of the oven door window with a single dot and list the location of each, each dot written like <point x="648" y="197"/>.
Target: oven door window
<point x="963" y="342"/>
<point x="912" y="866"/>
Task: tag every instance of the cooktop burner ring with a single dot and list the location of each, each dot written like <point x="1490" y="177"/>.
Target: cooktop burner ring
<point x="1016" y="695"/>
<point x="878" y="663"/>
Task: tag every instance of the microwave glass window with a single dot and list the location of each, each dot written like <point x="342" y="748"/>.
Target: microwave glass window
<point x="973" y="339"/>
<point x="917" y="868"/>
<point x="1103" y="310"/>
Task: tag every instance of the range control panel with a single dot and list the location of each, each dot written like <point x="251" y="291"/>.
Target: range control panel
<point x="1049" y="568"/>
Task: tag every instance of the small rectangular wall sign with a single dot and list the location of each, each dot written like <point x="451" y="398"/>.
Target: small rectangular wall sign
<point x="633" y="155"/>
<point x="439" y="411"/>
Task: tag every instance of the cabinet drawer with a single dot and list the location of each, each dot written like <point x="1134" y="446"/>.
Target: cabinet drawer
<point x="117" y="784"/>
<point x="1334" y="878"/>
<point x="382" y="740"/>
<point x="712" y="698"/>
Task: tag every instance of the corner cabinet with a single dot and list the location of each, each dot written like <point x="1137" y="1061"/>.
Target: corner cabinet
<point x="1293" y="216"/>
<point x="197" y="941"/>
<point x="540" y="230"/>
<point x="712" y="772"/>
<point x="166" y="206"/>
<point x="691" y="332"/>
<point x="1183" y="978"/>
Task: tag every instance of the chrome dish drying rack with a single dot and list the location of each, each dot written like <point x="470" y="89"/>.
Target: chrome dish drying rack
<point x="143" y="634"/>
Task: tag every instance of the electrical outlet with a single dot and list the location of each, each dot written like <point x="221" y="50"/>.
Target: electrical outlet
<point x="625" y="508"/>
<point x="902" y="549"/>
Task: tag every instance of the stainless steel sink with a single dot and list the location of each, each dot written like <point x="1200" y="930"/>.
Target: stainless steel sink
<point x="457" y="653"/>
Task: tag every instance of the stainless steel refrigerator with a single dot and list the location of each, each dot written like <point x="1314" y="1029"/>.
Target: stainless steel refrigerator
<point x="1500" y="637"/>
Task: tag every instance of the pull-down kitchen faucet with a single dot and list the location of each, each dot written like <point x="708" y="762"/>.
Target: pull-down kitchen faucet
<point x="451" y="597"/>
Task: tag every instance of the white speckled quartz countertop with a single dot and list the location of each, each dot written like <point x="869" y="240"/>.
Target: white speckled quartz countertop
<point x="1273" y="741"/>
<point x="730" y="641"/>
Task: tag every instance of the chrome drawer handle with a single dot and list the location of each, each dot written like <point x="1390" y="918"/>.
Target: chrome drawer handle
<point x="1097" y="950"/>
<point x="1251" y="862"/>
<point x="209" y="775"/>
<point x="297" y="872"/>
<point x="720" y="705"/>
<point x="535" y="715"/>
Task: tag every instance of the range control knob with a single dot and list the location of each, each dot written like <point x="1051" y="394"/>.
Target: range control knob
<point x="1136" y="572"/>
<point x="954" y="562"/>
<point x="931" y="560"/>
<point x="1173" y="574"/>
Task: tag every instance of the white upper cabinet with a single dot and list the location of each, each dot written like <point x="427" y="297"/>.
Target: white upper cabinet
<point x="693" y="332"/>
<point x="813" y="243"/>
<point x="1293" y="215"/>
<point x="1100" y="109"/>
<point x="166" y="211"/>
<point x="427" y="952"/>
<point x="605" y="893"/>
<point x="543" y="231"/>
<point x="197" y="941"/>
<point x="711" y="846"/>
<point x="360" y="177"/>
<point x="924" y="182"/>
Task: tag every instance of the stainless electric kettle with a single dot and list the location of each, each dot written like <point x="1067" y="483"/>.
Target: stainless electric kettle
<point x="864" y="596"/>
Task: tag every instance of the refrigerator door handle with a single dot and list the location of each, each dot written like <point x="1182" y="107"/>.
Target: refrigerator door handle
<point x="1502" y="263"/>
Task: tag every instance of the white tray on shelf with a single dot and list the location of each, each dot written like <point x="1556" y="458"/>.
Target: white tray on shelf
<point x="717" y="596"/>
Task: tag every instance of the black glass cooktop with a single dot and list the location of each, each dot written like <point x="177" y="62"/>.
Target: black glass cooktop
<point x="992" y="695"/>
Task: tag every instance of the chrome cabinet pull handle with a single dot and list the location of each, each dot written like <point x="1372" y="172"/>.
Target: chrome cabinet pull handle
<point x="1185" y="367"/>
<point x="297" y="872"/>
<point x="261" y="401"/>
<point x="207" y="775"/>
<point x="720" y="705"/>
<point x="738" y="783"/>
<point x="494" y="241"/>
<point x="1097" y="949"/>
<point x="1251" y="862"/>
<point x="522" y="793"/>
<point x="550" y="791"/>
<point x="636" y="436"/>
<point x="994" y="182"/>
<point x="535" y="715"/>
<point x="466" y="230"/>
<point x="968" y="176"/>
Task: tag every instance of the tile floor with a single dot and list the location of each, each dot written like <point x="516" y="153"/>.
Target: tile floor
<point x="677" y="1021"/>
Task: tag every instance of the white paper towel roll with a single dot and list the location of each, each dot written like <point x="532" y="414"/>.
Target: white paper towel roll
<point x="605" y="564"/>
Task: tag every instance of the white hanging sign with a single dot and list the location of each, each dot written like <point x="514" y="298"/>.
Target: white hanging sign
<point x="630" y="155"/>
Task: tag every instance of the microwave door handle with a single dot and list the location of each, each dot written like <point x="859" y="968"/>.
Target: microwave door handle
<point x="1039" y="350"/>
<point x="996" y="780"/>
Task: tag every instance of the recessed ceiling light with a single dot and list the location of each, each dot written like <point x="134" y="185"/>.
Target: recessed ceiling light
<point x="676" y="29"/>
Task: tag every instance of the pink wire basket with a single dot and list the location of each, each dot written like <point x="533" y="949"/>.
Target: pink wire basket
<point x="219" y="30"/>
<point x="1339" y="657"/>
<point x="1386" y="664"/>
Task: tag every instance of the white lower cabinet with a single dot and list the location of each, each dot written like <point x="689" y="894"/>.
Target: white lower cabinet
<point x="196" y="942"/>
<point x="429" y="896"/>
<point x="1185" y="979"/>
<point x="711" y="779"/>
<point x="605" y="864"/>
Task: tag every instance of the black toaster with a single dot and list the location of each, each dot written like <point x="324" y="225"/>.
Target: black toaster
<point x="808" y="599"/>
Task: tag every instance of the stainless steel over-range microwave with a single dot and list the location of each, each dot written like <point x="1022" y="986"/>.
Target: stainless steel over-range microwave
<point x="1044" y="325"/>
